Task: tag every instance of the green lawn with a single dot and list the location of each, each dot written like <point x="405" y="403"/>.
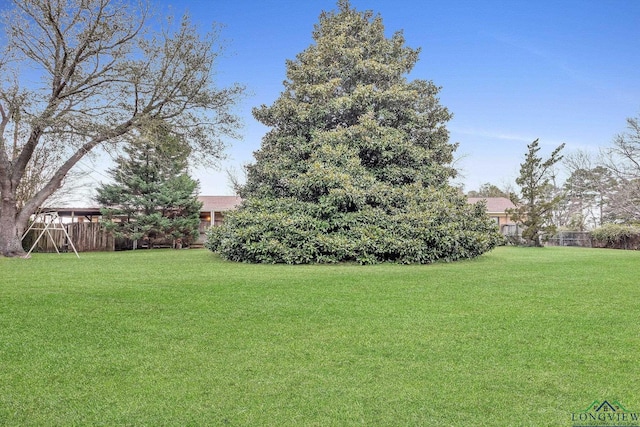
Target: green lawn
<point x="519" y="336"/>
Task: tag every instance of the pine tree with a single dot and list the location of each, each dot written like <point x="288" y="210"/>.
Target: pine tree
<point x="537" y="201"/>
<point x="357" y="163"/>
<point x="152" y="197"/>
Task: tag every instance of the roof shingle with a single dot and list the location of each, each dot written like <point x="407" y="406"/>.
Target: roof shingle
<point x="219" y="203"/>
<point x="494" y="204"/>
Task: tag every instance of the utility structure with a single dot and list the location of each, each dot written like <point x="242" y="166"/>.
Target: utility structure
<point x="46" y="222"/>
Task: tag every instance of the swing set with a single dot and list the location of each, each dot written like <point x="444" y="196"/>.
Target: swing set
<point x="47" y="222"/>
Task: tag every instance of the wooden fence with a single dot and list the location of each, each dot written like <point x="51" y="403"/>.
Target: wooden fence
<point x="86" y="237"/>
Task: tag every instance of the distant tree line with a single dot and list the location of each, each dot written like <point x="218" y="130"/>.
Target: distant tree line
<point x="601" y="190"/>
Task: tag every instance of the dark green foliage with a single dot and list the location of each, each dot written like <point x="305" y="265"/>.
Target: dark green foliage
<point x="536" y="203"/>
<point x="432" y="226"/>
<point x="152" y="197"/>
<point x="357" y="163"/>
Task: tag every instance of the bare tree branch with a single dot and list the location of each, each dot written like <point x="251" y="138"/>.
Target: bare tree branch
<point x="104" y="75"/>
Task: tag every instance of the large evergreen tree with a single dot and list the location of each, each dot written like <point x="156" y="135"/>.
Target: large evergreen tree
<point x="357" y="163"/>
<point x="152" y="196"/>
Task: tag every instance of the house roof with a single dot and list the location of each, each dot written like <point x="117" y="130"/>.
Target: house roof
<point x="227" y="203"/>
<point x="72" y="212"/>
<point x="494" y="204"/>
<point x="209" y="204"/>
<point x="219" y="203"/>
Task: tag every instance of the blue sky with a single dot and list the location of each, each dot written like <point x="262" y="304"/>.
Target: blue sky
<point x="510" y="71"/>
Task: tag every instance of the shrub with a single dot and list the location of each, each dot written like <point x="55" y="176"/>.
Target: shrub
<point x="617" y="236"/>
<point x="431" y="226"/>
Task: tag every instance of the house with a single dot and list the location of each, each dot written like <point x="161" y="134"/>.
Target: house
<point x="496" y="208"/>
<point x="84" y="228"/>
<point x="216" y="206"/>
<point x="212" y="213"/>
<point x="213" y="210"/>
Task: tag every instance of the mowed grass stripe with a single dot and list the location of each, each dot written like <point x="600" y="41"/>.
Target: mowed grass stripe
<point x="516" y="337"/>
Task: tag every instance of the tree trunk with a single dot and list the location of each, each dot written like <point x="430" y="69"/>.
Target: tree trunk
<point x="11" y="230"/>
